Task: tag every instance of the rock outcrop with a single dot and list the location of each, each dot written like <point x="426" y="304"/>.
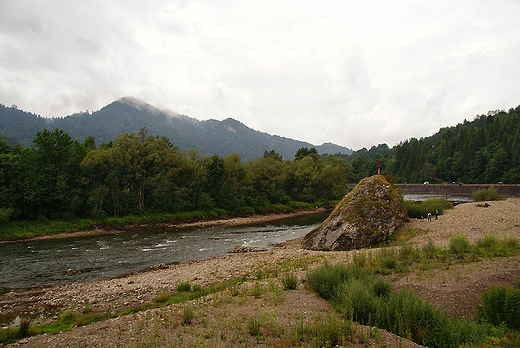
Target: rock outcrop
<point x="367" y="215"/>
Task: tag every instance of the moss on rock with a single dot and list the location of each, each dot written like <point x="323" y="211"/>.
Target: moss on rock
<point x="367" y="215"/>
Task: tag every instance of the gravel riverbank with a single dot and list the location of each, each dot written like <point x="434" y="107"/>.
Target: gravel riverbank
<point x="501" y="218"/>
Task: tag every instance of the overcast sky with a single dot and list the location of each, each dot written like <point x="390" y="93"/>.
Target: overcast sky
<point x="355" y="73"/>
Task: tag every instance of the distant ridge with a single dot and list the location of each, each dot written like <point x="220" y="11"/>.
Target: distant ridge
<point x="129" y="114"/>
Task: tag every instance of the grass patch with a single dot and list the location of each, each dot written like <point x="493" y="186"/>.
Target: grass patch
<point x="420" y="210"/>
<point x="489" y="194"/>
<point x="500" y="306"/>
<point x="357" y="292"/>
<point x="325" y="331"/>
<point x="459" y="245"/>
<point x="289" y="281"/>
<point x="69" y="319"/>
<point x="371" y="301"/>
<point x="183" y="287"/>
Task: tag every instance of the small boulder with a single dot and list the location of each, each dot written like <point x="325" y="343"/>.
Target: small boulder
<point x="245" y="249"/>
<point x="367" y="215"/>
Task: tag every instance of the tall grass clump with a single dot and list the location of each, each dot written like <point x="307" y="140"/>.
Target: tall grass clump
<point x="326" y="279"/>
<point x="459" y="245"/>
<point x="489" y="194"/>
<point x="500" y="306"/>
<point x="289" y="281"/>
<point x="372" y="301"/>
<point x="417" y="210"/>
<point x="429" y="249"/>
<point x="183" y="287"/>
<point x="327" y="331"/>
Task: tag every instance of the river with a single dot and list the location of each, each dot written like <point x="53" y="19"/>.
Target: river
<point x="57" y="261"/>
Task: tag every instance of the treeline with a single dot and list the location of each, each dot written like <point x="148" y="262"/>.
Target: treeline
<point x="58" y="177"/>
<point x="483" y="151"/>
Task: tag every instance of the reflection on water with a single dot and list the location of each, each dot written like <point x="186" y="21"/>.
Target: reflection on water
<point x="47" y="262"/>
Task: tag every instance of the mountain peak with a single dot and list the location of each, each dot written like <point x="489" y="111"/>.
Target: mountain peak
<point x="129" y="115"/>
<point x="144" y="106"/>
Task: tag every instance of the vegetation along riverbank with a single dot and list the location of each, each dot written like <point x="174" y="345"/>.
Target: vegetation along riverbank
<point x="43" y="229"/>
<point x="436" y="278"/>
<point x="61" y="183"/>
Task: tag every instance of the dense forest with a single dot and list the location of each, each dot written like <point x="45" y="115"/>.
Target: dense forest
<point x="483" y="151"/>
<point x="58" y="177"/>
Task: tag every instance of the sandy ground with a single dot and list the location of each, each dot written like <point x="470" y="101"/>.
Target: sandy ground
<point x="458" y="288"/>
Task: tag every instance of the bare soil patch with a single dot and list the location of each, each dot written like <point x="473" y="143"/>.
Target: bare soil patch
<point x="221" y="320"/>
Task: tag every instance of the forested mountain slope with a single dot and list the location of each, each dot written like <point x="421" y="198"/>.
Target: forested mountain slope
<point x="128" y="115"/>
<point x="483" y="151"/>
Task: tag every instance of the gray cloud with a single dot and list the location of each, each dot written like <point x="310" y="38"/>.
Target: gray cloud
<point x="354" y="74"/>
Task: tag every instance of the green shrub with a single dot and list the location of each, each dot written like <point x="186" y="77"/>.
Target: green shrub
<point x="183" y="287"/>
<point x="488" y="241"/>
<point x="325" y="279"/>
<point x="371" y="301"/>
<point x="257" y="290"/>
<point x="360" y="258"/>
<point x="429" y="249"/>
<point x="254" y="325"/>
<point x="388" y="258"/>
<point x="459" y="245"/>
<point x="327" y="331"/>
<point x="408" y="252"/>
<point x="500" y="306"/>
<point x="417" y="210"/>
<point x="489" y="194"/>
<point x="162" y="297"/>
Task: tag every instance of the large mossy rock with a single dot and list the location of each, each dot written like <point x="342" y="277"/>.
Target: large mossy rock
<point x="367" y="215"/>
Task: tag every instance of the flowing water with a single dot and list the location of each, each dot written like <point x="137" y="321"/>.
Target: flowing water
<point x="57" y="261"/>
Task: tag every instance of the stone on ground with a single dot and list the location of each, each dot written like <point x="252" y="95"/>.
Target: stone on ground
<point x="366" y="216"/>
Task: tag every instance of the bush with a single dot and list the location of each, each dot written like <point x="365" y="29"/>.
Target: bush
<point x="326" y="279"/>
<point x="162" y="297"/>
<point x="417" y="210"/>
<point x="388" y="258"/>
<point x="429" y="249"/>
<point x="459" y="245"/>
<point x="371" y="301"/>
<point x="489" y="194"/>
<point x="183" y="287"/>
<point x="500" y="306"/>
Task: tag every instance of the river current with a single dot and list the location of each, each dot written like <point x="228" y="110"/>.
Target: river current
<point x="58" y="261"/>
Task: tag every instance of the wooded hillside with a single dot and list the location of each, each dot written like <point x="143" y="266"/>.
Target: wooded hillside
<point x="483" y="151"/>
<point x="128" y="115"/>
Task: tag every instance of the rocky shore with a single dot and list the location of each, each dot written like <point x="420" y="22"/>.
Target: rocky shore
<point x="501" y="218"/>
